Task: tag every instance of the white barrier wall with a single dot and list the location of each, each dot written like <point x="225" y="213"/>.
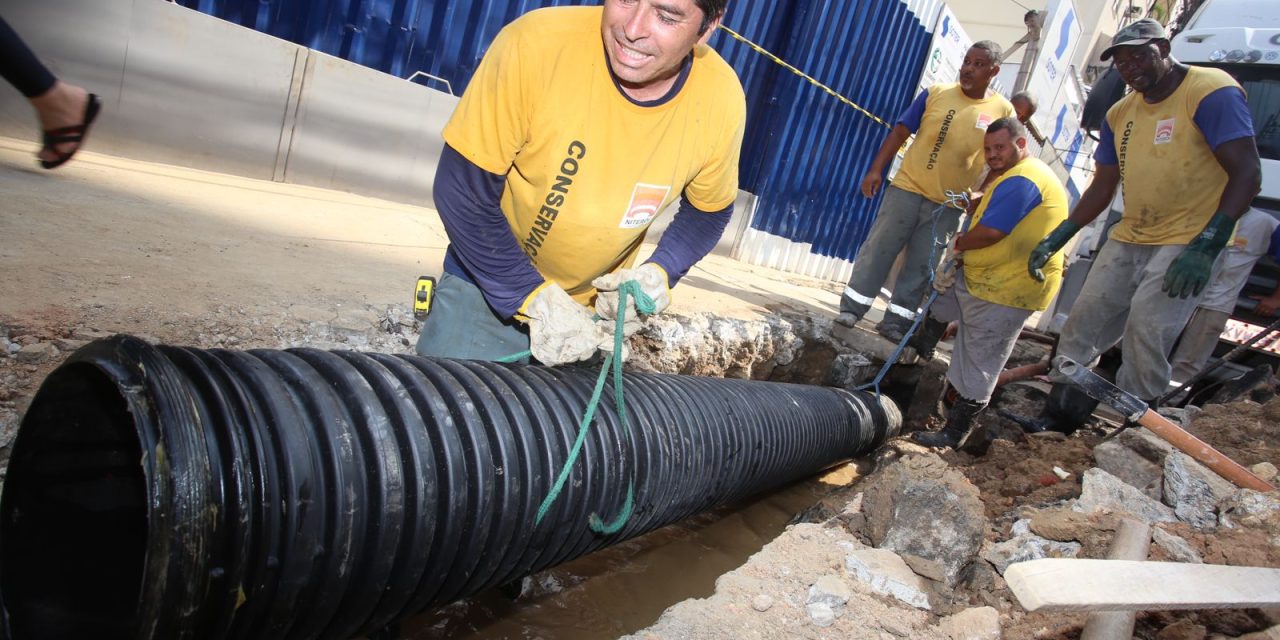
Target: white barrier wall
<point x="184" y="88"/>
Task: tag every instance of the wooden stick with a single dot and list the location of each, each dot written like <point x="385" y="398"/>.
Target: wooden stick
<point x="1200" y="450"/>
<point x="1068" y="584"/>
<point x="1132" y="542"/>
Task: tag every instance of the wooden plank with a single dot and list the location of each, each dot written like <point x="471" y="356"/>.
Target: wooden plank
<point x="1065" y="584"/>
<point x="1132" y="542"/>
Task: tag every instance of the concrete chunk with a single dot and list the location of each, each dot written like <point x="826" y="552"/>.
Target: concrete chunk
<point x="888" y="575"/>
<point x="1193" y="490"/>
<point x="1131" y="467"/>
<point x="829" y="590"/>
<point x="37" y="353"/>
<point x="1028" y="547"/>
<point x="1177" y="548"/>
<point x="979" y="623"/>
<point x="1105" y="492"/>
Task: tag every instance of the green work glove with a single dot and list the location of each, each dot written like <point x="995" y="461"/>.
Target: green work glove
<point x="1189" y="273"/>
<point x="1052" y="243"/>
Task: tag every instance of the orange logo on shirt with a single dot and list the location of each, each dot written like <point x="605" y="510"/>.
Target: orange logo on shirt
<point x="646" y="202"/>
<point x="1164" y="131"/>
<point x="984" y="121"/>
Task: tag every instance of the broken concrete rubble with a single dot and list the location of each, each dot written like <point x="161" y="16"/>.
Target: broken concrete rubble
<point x="1177" y="547"/>
<point x="921" y="507"/>
<point x="1193" y="490"/>
<point x="1131" y="467"/>
<point x="887" y="575"/>
<point x="1103" y="491"/>
<point x="1027" y="546"/>
<point x="979" y="623"/>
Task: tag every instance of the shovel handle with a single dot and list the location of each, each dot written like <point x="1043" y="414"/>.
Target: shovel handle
<point x="1200" y="450"/>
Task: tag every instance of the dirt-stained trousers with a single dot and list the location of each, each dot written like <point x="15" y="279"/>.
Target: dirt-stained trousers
<point x="1121" y="298"/>
<point x="905" y="220"/>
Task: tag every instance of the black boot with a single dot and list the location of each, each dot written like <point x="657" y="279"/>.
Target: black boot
<point x="1068" y="408"/>
<point x="928" y="334"/>
<point x="959" y="424"/>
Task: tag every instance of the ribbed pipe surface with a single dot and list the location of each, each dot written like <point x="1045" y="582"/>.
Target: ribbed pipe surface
<point x="164" y="492"/>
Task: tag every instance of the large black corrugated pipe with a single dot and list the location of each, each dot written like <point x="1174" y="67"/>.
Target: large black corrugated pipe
<point x="166" y="493"/>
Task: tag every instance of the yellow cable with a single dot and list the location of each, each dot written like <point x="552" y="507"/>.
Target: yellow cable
<point x="802" y="74"/>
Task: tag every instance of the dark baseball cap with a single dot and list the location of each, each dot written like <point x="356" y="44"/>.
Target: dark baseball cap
<point x="1138" y="33"/>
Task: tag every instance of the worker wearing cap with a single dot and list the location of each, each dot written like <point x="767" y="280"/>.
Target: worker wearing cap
<point x="1182" y="145"/>
<point x="993" y="295"/>
<point x="948" y="121"/>
<point x="579" y="126"/>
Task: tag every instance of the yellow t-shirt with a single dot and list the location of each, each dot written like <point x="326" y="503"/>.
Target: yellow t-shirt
<point x="947" y="151"/>
<point x="587" y="169"/>
<point x="998" y="273"/>
<point x="1174" y="184"/>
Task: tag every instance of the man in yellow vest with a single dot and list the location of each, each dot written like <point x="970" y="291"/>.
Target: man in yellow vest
<point x="948" y="121"/>
<point x="991" y="294"/>
<point x="1182" y="144"/>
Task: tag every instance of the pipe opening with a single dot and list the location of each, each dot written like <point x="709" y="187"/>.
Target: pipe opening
<point x="74" y="518"/>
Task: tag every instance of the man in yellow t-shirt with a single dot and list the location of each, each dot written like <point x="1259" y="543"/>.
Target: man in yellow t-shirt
<point x="580" y="125"/>
<point x="1182" y="144"/>
<point x="948" y="121"/>
<point x="993" y="295"/>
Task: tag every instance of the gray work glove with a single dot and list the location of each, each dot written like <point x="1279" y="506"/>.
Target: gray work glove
<point x="560" y="329"/>
<point x="945" y="277"/>
<point x="652" y="280"/>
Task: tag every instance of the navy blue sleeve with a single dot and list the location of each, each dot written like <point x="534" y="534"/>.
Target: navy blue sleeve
<point x="1106" y="151"/>
<point x="1223" y="116"/>
<point x="481" y="246"/>
<point x="1011" y="201"/>
<point x="911" y="117"/>
<point x="692" y="234"/>
<point x="1274" y="249"/>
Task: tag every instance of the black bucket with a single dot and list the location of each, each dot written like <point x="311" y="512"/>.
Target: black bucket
<point x="164" y="493"/>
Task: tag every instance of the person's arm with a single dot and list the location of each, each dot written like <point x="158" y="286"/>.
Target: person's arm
<point x="1268" y="304"/>
<point x="1009" y="203"/>
<point x="1223" y="118"/>
<point x="1106" y="177"/>
<point x="908" y="123"/>
<point x="692" y="234"/>
<point x="467" y="198"/>
<point x="875" y="174"/>
<point x="979" y="237"/>
<point x="1239" y="158"/>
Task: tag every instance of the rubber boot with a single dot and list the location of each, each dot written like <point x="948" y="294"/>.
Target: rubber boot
<point x="928" y="334"/>
<point x="959" y="424"/>
<point x="1067" y="408"/>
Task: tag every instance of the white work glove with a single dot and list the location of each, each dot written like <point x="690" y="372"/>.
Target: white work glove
<point x="560" y="329"/>
<point x="652" y="280"/>
<point x="945" y="277"/>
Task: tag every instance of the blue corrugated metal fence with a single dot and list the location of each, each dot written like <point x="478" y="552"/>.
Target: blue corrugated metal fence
<point x="805" y="152"/>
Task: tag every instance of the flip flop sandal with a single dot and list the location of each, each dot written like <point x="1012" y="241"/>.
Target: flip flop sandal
<point x="75" y="133"/>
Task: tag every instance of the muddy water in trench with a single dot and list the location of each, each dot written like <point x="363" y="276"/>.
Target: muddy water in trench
<point x="626" y="587"/>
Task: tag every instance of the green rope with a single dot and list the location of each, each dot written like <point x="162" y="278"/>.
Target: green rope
<point x="515" y="357"/>
<point x="613" y="362"/>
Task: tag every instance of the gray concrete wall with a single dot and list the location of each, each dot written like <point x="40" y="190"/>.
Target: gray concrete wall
<point x="184" y="88"/>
